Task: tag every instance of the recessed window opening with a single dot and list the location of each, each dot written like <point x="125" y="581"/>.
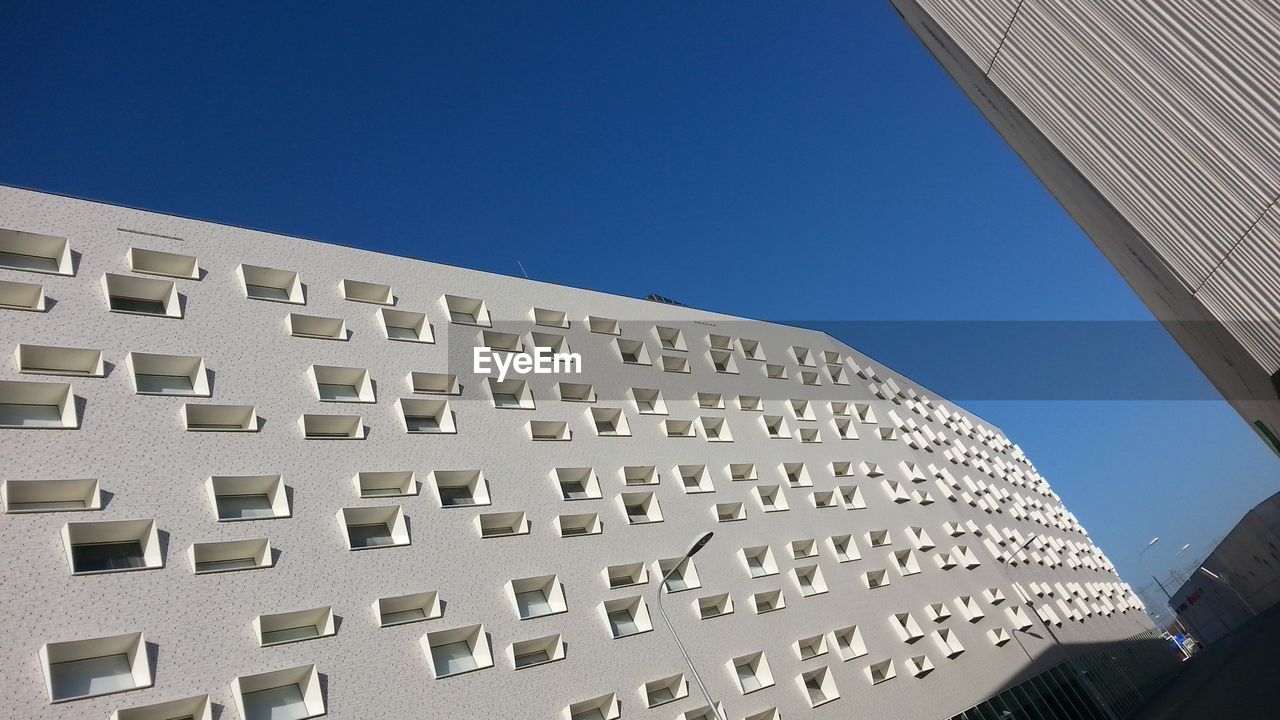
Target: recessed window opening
<point x="248" y="497"/>
<point x="538" y="596"/>
<point x="37" y="405"/>
<point x="405" y="325"/>
<point x="87" y="668"/>
<point x="428" y="383"/>
<point x="367" y="292"/>
<point x="426" y="416"/>
<point x="141" y="296"/>
<point x="466" y="311"/>
<point x="627" y="616"/>
<point x="550" y="318"/>
<point x="111" y="546"/>
<point x="670" y="338"/>
<point x="215" y="557"/>
<point x="22" y="296"/>
<point x="374" y="527"/>
<point x="528" y="653"/>
<point x="33" y="252"/>
<point x="262" y="283"/>
<point x="48" y="360"/>
<point x="30" y="496"/>
<point x="282" y="628"/>
<point x="577" y="483"/>
<point x="154" y="262"/>
<point x="403" y="609"/>
<point x="460" y="488"/>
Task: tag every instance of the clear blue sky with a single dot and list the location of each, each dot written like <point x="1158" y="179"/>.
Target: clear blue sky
<point x="702" y="151"/>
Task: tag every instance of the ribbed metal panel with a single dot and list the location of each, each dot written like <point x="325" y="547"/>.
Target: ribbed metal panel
<point x="975" y="25"/>
<point x="1247" y="287"/>
<point x="1148" y="143"/>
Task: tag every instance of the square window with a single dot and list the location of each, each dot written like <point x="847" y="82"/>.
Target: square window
<point x="626" y="616"/>
<point x="537" y="596"/>
<point x="714" y="606"/>
<point x="849" y="643"/>
<point x="820" y="686"/>
<point x="679" y="574"/>
<point x="752" y="672"/>
<point x="648" y="402"/>
<point x="641" y="508"/>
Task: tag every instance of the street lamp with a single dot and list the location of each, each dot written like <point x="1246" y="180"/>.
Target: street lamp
<point x="697" y="545"/>
<point x="1143" y="560"/>
<point x="1223" y="580"/>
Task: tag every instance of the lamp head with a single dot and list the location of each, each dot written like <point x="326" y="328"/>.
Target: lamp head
<point x="1154" y="540"/>
<point x="698" y="544"/>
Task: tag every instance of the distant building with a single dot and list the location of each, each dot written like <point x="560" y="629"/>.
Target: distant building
<point x="1247" y="563"/>
<point x="1157" y="126"/>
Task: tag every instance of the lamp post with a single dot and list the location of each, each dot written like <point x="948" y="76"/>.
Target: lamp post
<point x="1147" y="567"/>
<point x="697" y="545"/>
<point x="1223" y="580"/>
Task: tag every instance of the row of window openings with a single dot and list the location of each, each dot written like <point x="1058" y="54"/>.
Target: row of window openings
<point x="42" y="253"/>
<point x="88" y="668"/>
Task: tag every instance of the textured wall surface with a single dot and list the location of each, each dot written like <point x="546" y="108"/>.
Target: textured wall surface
<point x="201" y="625"/>
<point x="1157" y="125"/>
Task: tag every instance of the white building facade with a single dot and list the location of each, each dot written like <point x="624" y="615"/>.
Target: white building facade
<point x="1157" y="126"/>
<point x="258" y="473"/>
